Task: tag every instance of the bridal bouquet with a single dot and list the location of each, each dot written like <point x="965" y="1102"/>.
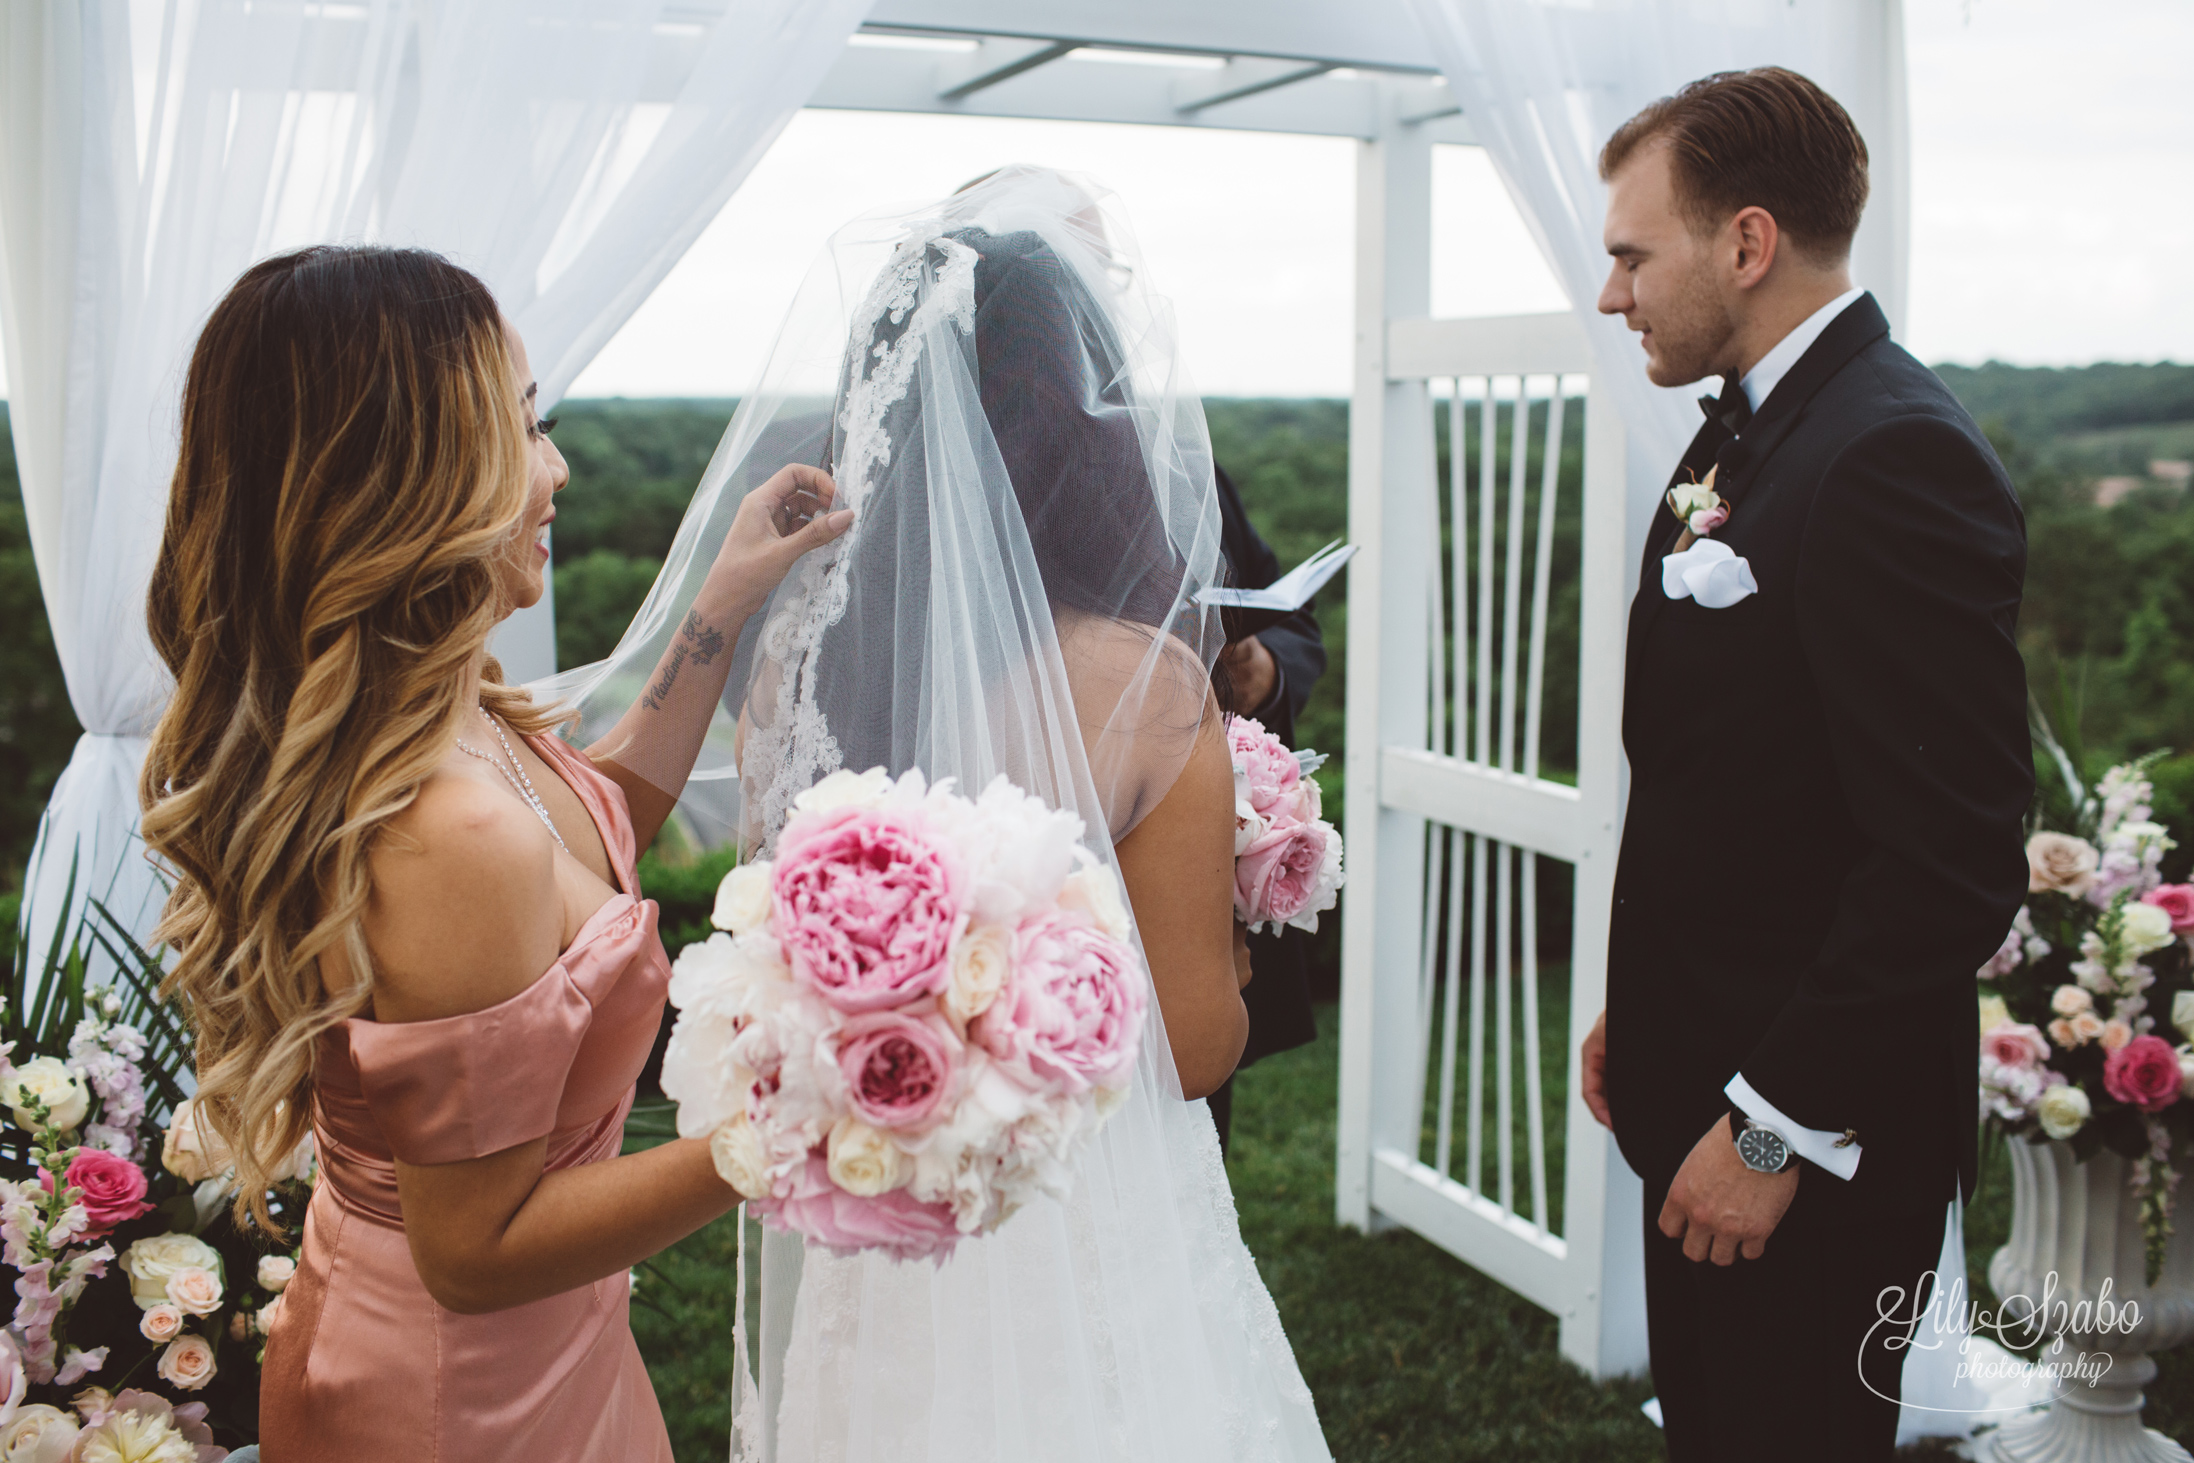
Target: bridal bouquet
<point x="2087" y="1010"/>
<point x="1287" y="859"/>
<point x="912" y="1019"/>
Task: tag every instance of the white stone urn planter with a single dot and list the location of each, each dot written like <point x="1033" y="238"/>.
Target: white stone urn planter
<point x="2079" y="1221"/>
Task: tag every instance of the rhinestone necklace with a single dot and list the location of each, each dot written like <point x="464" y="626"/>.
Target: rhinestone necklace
<point x="520" y="782"/>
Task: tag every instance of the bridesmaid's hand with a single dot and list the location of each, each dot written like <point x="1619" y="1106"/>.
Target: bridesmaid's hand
<point x="776" y="523"/>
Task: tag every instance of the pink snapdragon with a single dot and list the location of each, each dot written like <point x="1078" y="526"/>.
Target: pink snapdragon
<point x="866" y="904"/>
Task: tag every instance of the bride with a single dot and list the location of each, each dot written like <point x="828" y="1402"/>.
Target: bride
<point x="998" y="396"/>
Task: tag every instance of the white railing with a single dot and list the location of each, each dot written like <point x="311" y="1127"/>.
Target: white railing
<point x="1458" y="629"/>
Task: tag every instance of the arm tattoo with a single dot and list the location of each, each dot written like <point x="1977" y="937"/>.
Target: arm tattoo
<point x="706" y="639"/>
<point x="653" y="700"/>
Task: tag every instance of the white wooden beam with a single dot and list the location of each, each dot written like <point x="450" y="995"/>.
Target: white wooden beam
<point x="995" y="60"/>
<point x="1244" y="76"/>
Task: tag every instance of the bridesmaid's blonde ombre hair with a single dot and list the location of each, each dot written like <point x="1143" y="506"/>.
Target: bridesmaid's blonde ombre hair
<point x="352" y="481"/>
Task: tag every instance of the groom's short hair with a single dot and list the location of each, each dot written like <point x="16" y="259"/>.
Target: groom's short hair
<point x="1767" y="138"/>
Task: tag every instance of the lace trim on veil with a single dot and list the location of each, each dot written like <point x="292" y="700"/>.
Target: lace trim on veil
<point x="795" y="748"/>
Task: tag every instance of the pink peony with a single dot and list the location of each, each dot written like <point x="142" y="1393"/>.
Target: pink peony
<point x="2143" y="1072"/>
<point x="114" y="1189"/>
<point x="1276" y="875"/>
<point x="1271" y="768"/>
<point x="898" y="1069"/>
<point x="2176" y="900"/>
<point x="866" y="906"/>
<point x="894" y="1222"/>
<point x="1071" y="1013"/>
<point x="2015" y="1044"/>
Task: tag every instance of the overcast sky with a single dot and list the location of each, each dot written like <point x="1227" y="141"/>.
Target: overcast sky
<point x="2053" y="217"/>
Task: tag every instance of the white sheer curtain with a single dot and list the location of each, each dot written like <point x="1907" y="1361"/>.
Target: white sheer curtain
<point x="569" y="151"/>
<point x="1543" y="83"/>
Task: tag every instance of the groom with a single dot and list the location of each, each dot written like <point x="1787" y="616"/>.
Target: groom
<point x="1824" y="709"/>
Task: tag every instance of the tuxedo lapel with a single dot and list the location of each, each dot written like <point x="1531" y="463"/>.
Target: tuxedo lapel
<point x="1737" y="460"/>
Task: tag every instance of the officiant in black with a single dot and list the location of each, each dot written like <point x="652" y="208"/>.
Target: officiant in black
<point x="1267" y="676"/>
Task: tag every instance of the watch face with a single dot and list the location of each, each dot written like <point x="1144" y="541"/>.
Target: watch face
<point x="1763" y="1149"/>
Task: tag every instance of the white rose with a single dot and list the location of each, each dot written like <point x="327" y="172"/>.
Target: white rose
<point x="192" y="1151"/>
<point x="2145" y="928"/>
<point x="163" y="1323"/>
<point x="50" y="1080"/>
<point x="1994" y="1013"/>
<point x="843" y="789"/>
<point x="268" y="1314"/>
<point x="1096" y="892"/>
<point x="38" y="1434"/>
<point x="2070" y="1000"/>
<point x="197" y="1291"/>
<point x="863" y="1161"/>
<point x="740" y="1159"/>
<point x="1110" y="1100"/>
<point x="187" y="1363"/>
<point x="2063" y="1110"/>
<point x="2182" y="1013"/>
<point x="1686" y="499"/>
<point x="982" y="958"/>
<point x="276" y="1271"/>
<point x="743" y="899"/>
<point x="151" y="1262"/>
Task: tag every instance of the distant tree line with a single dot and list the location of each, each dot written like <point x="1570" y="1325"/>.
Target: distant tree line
<point x="2106" y="628"/>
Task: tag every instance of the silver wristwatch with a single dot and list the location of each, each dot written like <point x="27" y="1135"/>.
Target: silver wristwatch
<point x="1763" y="1149"/>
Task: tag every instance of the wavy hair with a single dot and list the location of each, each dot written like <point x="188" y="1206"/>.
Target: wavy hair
<point x="353" y="469"/>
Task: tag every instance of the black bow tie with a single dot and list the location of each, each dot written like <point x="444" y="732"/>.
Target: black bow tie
<point x="1732" y="409"/>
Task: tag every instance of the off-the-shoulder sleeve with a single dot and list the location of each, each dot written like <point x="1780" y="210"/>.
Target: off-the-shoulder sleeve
<point x="467" y="1086"/>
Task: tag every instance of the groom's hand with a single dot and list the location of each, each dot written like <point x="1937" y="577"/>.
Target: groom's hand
<point x="1719" y="1207"/>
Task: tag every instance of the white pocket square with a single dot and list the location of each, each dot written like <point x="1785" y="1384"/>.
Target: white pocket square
<point x="1709" y="572"/>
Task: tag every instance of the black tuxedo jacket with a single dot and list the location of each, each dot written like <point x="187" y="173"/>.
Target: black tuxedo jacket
<point x="1278" y="994"/>
<point x="1827" y="780"/>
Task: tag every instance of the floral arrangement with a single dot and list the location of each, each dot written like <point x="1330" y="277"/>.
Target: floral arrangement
<point x="141" y="1308"/>
<point x="912" y="1019"/>
<point x="2087" y="1010"/>
<point x="1287" y="858"/>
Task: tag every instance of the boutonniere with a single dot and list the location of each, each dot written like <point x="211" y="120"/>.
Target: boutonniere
<point x="1698" y="507"/>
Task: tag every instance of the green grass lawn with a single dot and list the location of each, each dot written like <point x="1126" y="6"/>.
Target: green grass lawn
<point x="1411" y="1354"/>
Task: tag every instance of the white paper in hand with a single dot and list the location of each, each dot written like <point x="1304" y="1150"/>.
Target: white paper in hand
<point x="1292" y="590"/>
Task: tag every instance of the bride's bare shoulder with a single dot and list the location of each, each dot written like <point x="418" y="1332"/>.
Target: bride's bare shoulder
<point x="1107" y="659"/>
<point x="465" y="910"/>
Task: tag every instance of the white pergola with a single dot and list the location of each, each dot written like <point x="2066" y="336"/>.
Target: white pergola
<point x="1447" y="810"/>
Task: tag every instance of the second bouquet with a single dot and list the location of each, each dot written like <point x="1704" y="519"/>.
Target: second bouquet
<point x="914" y="1018"/>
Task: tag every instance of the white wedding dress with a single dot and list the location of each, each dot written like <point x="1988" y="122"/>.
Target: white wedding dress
<point x="997" y="393"/>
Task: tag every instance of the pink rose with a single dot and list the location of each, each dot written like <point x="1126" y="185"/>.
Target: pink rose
<point x="2015" y="1044"/>
<point x="2176" y="900"/>
<point x="114" y="1188"/>
<point x="1071" y="1012"/>
<point x="1276" y="875"/>
<point x="1271" y="768"/>
<point x="2143" y="1072"/>
<point x="898" y="1069"/>
<point x="894" y="1221"/>
<point x="867" y="906"/>
<point x="2116" y="1034"/>
<point x="1706" y="520"/>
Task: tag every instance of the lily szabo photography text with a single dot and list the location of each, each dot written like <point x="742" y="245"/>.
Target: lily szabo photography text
<point x="2034" y="1334"/>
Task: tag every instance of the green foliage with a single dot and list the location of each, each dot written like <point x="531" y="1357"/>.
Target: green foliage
<point x="2041" y="405"/>
<point x="634" y="466"/>
<point x="685" y="889"/>
<point x="597" y="594"/>
<point x="38" y="728"/>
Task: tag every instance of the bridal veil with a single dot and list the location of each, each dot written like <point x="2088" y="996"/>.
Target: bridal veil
<point x="999" y="397"/>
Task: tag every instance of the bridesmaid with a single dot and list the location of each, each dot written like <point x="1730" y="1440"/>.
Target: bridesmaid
<point x="406" y="912"/>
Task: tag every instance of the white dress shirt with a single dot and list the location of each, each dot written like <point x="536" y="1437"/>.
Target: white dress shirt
<point x="1812" y="1144"/>
<point x="1776" y="364"/>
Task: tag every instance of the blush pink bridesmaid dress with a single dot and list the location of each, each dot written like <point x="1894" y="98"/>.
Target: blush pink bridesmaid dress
<point x="362" y="1363"/>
